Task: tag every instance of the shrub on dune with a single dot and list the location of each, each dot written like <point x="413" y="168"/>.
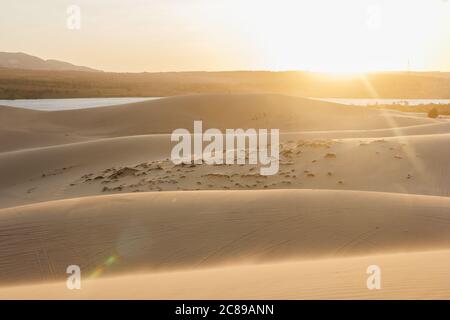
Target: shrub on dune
<point x="433" y="113"/>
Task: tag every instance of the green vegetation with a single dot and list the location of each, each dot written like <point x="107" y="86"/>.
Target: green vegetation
<point x="27" y="84"/>
<point x="433" y="113"/>
<point x="432" y="110"/>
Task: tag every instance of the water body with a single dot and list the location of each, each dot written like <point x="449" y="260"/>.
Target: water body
<point x="69" y="104"/>
<point x="369" y="102"/>
<point x="81" y="103"/>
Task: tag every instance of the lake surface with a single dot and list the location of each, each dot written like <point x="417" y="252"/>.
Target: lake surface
<point x="69" y="104"/>
<point x="81" y="103"/>
<point x="368" y="102"/>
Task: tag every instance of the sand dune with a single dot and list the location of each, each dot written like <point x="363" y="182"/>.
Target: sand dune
<point x="173" y="230"/>
<point x="217" y="111"/>
<point x="96" y="188"/>
<point x="421" y="275"/>
<point x="11" y="140"/>
<point x="441" y="127"/>
<point x="405" y="164"/>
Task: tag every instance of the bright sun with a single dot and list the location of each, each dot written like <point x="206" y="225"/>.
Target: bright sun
<point x="340" y="36"/>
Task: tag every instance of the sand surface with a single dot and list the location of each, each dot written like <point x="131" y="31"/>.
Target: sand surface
<point x="421" y="275"/>
<point x="96" y="188"/>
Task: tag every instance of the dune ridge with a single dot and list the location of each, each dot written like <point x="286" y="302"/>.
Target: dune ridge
<point x="403" y="164"/>
<point x="170" y="230"/>
<point x="287" y="113"/>
<point x="96" y="188"/>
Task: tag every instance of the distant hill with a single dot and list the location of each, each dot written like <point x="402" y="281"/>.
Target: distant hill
<point x="19" y="60"/>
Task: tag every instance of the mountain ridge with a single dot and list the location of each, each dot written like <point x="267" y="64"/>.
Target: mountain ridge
<point x="21" y="60"/>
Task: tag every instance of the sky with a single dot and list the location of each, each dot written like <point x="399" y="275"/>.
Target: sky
<point x="186" y="35"/>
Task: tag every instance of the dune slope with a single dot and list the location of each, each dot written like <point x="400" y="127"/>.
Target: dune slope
<point x="173" y="230"/>
<point x="409" y="164"/>
<point x="286" y="113"/>
<point x="422" y="275"/>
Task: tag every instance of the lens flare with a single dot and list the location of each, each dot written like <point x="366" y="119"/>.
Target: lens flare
<point x="109" y="262"/>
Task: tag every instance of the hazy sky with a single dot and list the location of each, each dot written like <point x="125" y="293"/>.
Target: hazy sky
<point x="167" y="35"/>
